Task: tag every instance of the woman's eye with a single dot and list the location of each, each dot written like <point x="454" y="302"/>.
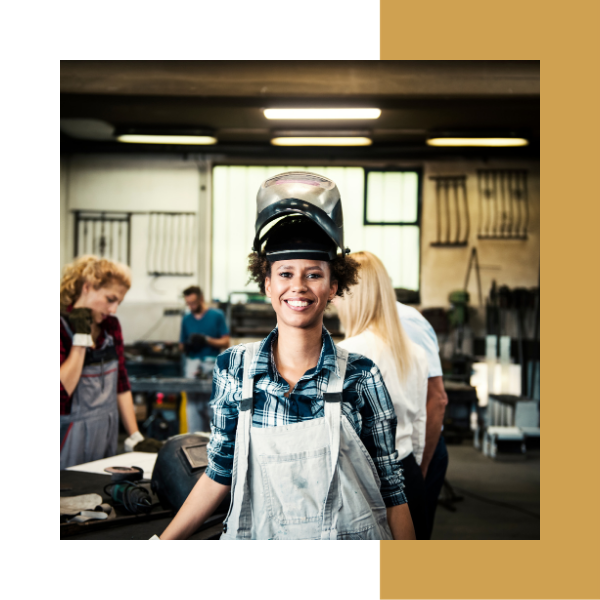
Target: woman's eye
<point x="286" y="275"/>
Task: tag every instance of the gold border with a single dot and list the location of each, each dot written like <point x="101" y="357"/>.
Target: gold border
<point x="564" y="563"/>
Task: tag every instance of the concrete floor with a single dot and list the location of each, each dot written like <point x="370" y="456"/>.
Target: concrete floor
<point x="501" y="497"/>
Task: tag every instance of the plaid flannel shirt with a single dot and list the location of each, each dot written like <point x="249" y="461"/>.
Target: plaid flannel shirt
<point x="366" y="404"/>
<point x="110" y="326"/>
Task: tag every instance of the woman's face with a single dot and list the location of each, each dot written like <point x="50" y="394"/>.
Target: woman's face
<point x="102" y="302"/>
<point x="299" y="290"/>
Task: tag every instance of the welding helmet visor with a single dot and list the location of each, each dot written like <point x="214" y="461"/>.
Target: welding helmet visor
<point x="297" y="236"/>
<point x="300" y="193"/>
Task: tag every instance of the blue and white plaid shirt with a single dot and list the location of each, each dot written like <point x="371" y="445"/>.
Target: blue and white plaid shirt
<point x="366" y="404"/>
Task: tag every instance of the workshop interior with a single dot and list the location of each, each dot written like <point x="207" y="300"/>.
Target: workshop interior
<point x="438" y="168"/>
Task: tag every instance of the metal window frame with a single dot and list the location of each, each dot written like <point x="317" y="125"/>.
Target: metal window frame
<point x="418" y="171"/>
<point x="417" y="223"/>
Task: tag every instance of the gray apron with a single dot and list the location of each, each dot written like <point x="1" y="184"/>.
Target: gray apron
<point x="305" y="481"/>
<point x="90" y="432"/>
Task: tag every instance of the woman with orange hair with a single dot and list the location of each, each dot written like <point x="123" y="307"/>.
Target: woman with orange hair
<point x="94" y="387"/>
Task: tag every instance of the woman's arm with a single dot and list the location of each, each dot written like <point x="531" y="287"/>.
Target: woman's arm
<point x="70" y="370"/>
<point x="400" y="522"/>
<point x="202" y="501"/>
<point x="436" y="407"/>
<point x="127" y="412"/>
<point x="420" y="422"/>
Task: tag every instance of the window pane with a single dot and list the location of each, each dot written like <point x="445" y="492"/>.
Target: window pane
<point x="392" y="197"/>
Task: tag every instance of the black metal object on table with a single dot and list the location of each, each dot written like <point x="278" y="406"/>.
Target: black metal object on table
<point x="124" y="526"/>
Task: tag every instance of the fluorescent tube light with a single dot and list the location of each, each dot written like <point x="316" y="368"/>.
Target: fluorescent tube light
<point x="188" y="140"/>
<point x="497" y="142"/>
<point x="322" y="113"/>
<point x="321" y="141"/>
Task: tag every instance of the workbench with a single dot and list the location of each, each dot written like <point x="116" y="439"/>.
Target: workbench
<point x="124" y="526"/>
<point x="170" y="385"/>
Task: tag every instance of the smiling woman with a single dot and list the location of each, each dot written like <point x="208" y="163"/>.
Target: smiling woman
<point x="303" y="431"/>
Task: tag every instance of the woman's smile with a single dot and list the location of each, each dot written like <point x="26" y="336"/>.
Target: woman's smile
<point x="299" y="290"/>
<point x="298" y="304"/>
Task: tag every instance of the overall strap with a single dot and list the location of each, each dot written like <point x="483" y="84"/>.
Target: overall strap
<point x="65" y="323"/>
<point x="333" y="418"/>
<point x="242" y="492"/>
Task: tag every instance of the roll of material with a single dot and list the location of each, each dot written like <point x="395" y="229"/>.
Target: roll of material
<point x="73" y="505"/>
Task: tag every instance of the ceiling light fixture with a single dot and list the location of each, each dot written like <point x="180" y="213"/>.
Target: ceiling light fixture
<point x="321" y="141"/>
<point x="474" y="141"/>
<point x="186" y="140"/>
<point x="322" y="113"/>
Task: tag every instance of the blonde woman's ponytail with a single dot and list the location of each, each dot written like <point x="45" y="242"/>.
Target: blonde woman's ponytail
<point x="372" y="305"/>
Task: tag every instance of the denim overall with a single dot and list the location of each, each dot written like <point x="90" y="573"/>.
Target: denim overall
<point x="90" y="432"/>
<point x="312" y="480"/>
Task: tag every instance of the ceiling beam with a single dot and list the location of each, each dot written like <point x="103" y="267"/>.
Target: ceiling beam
<point x="300" y="79"/>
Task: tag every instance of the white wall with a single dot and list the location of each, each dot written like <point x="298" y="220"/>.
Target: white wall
<point x="513" y="263"/>
<point x="140" y="184"/>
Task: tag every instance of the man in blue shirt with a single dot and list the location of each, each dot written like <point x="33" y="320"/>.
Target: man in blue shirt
<point x="435" y="455"/>
<point x="204" y="334"/>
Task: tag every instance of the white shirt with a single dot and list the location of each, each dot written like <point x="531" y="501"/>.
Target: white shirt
<point x="420" y="331"/>
<point x="409" y="396"/>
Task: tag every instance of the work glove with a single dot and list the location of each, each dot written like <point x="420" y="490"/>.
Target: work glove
<point x="149" y="445"/>
<point x="132" y="440"/>
<point x="80" y="320"/>
<point x="196" y="342"/>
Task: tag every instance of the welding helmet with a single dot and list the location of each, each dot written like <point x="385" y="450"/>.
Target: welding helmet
<point x="300" y="193"/>
<point x="179" y="465"/>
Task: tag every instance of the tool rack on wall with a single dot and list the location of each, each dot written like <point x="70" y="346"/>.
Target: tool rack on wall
<point x="503" y="204"/>
<point x="171" y="244"/>
<point x="105" y="234"/>
<point x="453" y="224"/>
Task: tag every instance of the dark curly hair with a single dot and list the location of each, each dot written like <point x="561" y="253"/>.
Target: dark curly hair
<point x="344" y="270"/>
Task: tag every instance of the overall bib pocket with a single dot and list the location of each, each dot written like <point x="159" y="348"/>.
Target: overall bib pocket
<point x="296" y="485"/>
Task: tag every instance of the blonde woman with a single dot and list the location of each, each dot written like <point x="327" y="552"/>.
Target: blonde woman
<point x="94" y="387"/>
<point x="372" y="326"/>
